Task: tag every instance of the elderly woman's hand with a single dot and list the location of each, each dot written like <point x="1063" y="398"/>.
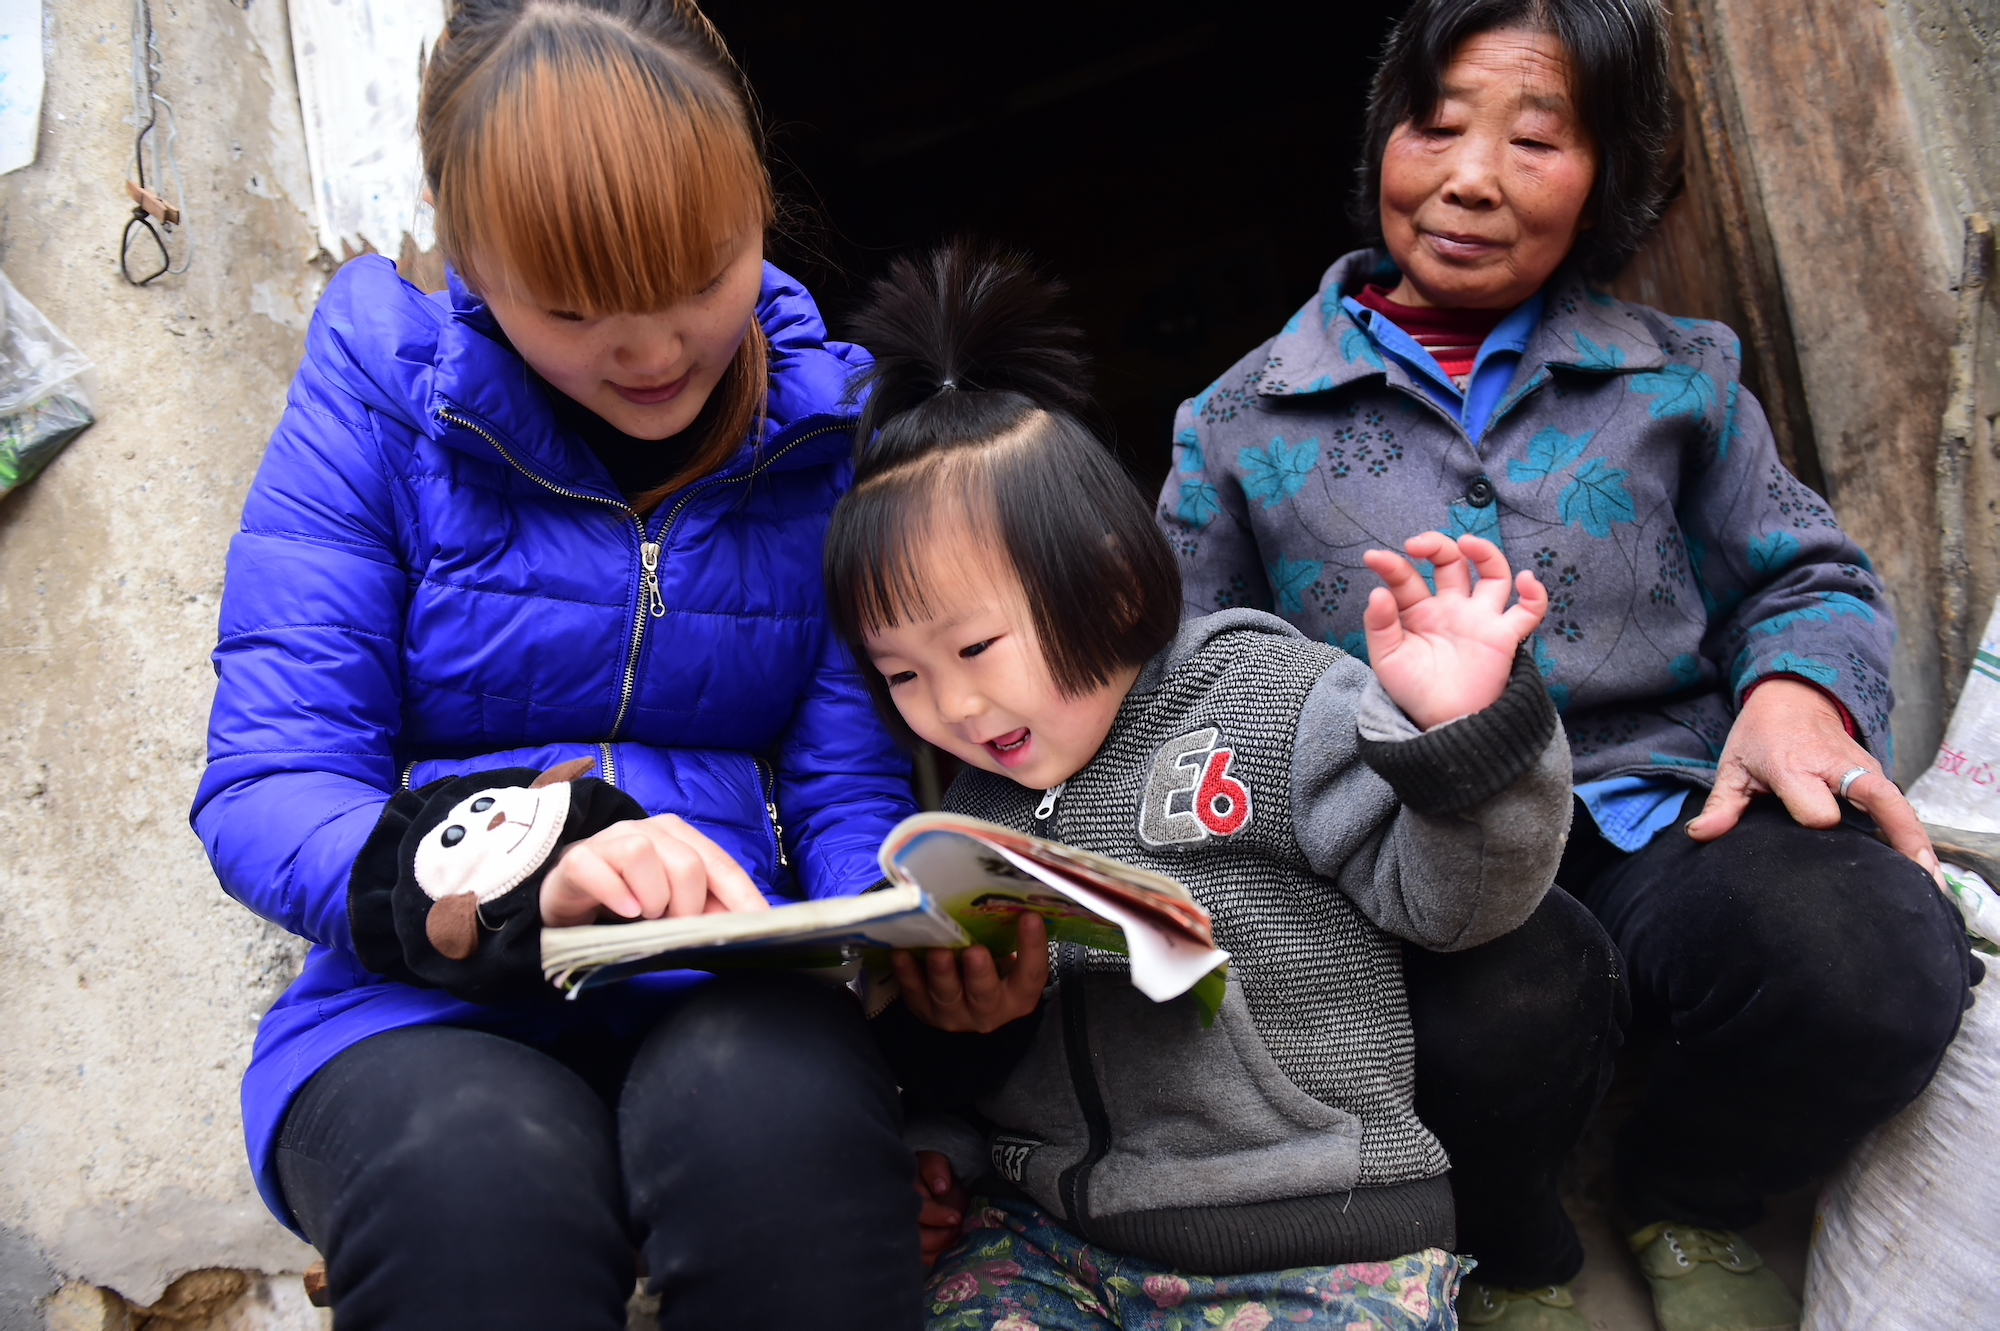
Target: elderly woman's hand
<point x="1789" y="741"/>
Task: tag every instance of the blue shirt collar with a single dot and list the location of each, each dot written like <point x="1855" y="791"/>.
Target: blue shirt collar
<point x="1492" y="371"/>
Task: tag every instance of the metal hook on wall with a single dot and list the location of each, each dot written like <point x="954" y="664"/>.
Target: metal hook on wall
<point x="153" y="219"/>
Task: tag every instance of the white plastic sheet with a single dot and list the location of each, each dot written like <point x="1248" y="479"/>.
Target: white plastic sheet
<point x="1962" y="788"/>
<point x="1908" y="1233"/>
<point x="20" y="82"/>
<point x="360" y="66"/>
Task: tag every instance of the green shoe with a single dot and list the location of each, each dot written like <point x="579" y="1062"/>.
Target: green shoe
<point x="1549" y="1308"/>
<point x="1711" y="1280"/>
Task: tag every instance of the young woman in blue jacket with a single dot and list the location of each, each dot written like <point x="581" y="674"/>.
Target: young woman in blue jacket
<point x="570" y="509"/>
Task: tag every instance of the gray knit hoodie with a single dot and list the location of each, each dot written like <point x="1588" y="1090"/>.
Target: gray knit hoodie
<point x="1274" y="777"/>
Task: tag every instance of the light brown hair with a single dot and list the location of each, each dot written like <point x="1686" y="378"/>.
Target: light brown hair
<point x="604" y="155"/>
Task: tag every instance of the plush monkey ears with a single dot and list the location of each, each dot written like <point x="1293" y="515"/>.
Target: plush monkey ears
<point x="569" y="771"/>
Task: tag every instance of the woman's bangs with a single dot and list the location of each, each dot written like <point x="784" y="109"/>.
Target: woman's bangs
<point x="604" y="183"/>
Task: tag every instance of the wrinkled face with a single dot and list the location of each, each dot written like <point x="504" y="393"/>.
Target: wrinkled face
<point x="971" y="679"/>
<point x="492" y="841"/>
<point x="1482" y="202"/>
<point x="647" y="375"/>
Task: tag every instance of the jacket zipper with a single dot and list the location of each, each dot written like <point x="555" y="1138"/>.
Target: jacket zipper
<point x="768" y="776"/>
<point x="607" y="764"/>
<point x="651" y="604"/>
<point x="1047" y="808"/>
<point x="1073" y="1184"/>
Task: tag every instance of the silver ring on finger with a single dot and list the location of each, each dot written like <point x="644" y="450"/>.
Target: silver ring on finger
<point x="1850" y="777"/>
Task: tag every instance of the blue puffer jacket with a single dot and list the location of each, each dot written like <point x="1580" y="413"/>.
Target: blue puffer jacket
<point x="433" y="578"/>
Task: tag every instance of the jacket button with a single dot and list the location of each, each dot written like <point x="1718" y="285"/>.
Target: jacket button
<point x="1480" y="492"/>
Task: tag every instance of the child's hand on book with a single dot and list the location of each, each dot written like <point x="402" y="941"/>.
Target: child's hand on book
<point x="1446" y="655"/>
<point x="644" y="869"/>
<point x="968" y="991"/>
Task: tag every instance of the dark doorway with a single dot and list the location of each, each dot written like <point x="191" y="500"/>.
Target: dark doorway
<point x="1185" y="167"/>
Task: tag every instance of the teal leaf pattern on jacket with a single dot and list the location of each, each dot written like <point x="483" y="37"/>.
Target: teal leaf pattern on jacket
<point x="1686" y="670"/>
<point x="1199" y="503"/>
<point x="1835" y="605"/>
<point x="1469" y="521"/>
<point x="1275" y="473"/>
<point x="1545" y="664"/>
<point x="1590" y="356"/>
<point x="1548" y="453"/>
<point x="1330" y="308"/>
<point x="1597" y="499"/>
<point x="1289" y="580"/>
<point x="1192" y="458"/>
<point x="1354" y="644"/>
<point x="1732" y="429"/>
<point x="1677" y="390"/>
<point x="1359" y="349"/>
<point x="1844" y="604"/>
<point x="1323" y="384"/>
<point x="1805" y="667"/>
<point x="1773" y="554"/>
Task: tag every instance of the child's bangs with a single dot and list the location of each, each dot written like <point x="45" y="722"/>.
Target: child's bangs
<point x="604" y="177"/>
<point x="887" y="575"/>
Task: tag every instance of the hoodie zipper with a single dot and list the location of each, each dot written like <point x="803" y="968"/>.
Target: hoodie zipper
<point x="1073" y="1184"/>
<point x="651" y="604"/>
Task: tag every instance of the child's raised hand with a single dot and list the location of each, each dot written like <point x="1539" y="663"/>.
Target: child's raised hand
<point x="1447" y="655"/>
<point x="967" y="991"/>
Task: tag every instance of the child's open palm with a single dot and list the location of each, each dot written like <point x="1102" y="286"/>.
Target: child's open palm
<point x="1446" y="655"/>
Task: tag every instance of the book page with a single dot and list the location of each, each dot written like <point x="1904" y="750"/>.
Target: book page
<point x="1166" y="963"/>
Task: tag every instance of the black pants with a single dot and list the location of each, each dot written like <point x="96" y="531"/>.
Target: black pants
<point x="1803" y="986"/>
<point x="453" y="1178"/>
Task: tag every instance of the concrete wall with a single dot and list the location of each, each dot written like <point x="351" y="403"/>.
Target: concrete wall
<point x="130" y="986"/>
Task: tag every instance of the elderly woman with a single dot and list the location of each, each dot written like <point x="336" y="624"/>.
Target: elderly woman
<point x="1714" y="633"/>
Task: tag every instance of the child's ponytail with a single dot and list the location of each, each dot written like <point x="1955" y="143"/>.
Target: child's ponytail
<point x="965" y="318"/>
<point x="972" y="427"/>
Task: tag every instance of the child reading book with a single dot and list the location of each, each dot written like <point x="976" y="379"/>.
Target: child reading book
<point x="1001" y="578"/>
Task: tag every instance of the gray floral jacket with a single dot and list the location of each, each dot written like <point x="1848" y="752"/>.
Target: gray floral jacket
<point x="1627" y="466"/>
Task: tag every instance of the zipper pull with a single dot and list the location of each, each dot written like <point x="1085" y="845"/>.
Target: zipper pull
<point x="649" y="578"/>
<point x="1047" y="808"/>
<point x="778" y="835"/>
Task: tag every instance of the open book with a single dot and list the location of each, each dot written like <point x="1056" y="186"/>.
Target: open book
<point x="951" y="882"/>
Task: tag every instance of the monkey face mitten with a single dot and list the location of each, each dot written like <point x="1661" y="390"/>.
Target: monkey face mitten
<point x="446" y="893"/>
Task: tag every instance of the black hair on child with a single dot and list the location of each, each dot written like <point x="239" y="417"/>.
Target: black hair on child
<point x="1618" y="61"/>
<point x="972" y="416"/>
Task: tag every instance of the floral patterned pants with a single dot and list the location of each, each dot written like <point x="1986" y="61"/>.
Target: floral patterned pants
<point x="1016" y="1270"/>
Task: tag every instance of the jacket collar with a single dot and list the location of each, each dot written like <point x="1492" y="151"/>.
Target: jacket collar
<point x="481" y="380"/>
<point x="1323" y="347"/>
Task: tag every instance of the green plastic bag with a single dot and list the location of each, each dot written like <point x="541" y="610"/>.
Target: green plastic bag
<point x="45" y="393"/>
